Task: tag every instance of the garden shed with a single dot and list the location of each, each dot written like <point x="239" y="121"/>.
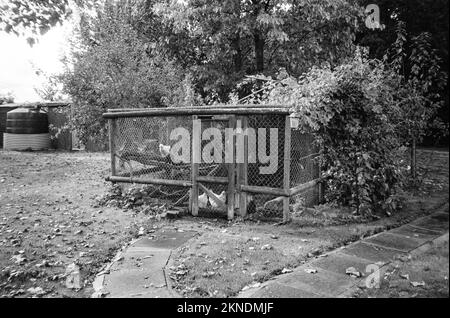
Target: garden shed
<point x="237" y="158"/>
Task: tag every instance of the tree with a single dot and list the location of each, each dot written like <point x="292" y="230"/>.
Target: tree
<point x="50" y="89"/>
<point x="419" y="66"/>
<point x="36" y="16"/>
<point x="6" y="98"/>
<point x="112" y="67"/>
<point x="32" y="18"/>
<point x="232" y="38"/>
<point x="421" y="20"/>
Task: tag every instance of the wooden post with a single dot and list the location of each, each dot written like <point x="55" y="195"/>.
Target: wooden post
<point x="112" y="147"/>
<point x="196" y="143"/>
<point x="243" y="171"/>
<point x="320" y="184"/>
<point x="231" y="169"/>
<point x="413" y="160"/>
<point x="287" y="168"/>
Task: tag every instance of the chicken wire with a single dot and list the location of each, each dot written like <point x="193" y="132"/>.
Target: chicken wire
<point x="304" y="167"/>
<point x="138" y="157"/>
<point x="136" y="146"/>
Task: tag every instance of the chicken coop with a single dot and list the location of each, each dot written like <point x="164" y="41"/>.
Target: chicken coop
<point x="234" y="160"/>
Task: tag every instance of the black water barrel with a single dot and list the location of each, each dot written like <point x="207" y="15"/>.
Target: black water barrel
<point x="26" y="121"/>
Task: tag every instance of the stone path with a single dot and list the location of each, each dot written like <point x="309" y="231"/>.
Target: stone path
<point x="140" y="271"/>
<point x="331" y="279"/>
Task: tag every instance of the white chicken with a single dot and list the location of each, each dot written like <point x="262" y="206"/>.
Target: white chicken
<point x="164" y="150"/>
<point x="237" y="200"/>
<point x="222" y="197"/>
<point x="203" y="201"/>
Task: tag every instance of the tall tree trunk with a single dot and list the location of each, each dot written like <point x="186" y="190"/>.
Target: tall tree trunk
<point x="237" y="57"/>
<point x="259" y="51"/>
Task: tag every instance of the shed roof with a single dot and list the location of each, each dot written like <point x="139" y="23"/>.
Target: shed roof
<point x="200" y="110"/>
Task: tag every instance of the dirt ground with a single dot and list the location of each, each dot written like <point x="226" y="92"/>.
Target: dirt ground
<point x="50" y="218"/>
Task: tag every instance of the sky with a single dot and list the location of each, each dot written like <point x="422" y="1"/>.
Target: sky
<point x="17" y="58"/>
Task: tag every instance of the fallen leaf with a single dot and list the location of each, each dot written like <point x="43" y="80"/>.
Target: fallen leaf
<point x="418" y="284"/>
<point x="311" y="270"/>
<point x="37" y="291"/>
<point x="266" y="247"/>
<point x="404" y="276"/>
<point x="18" y="259"/>
<point x="73" y="276"/>
<point x="353" y="272"/>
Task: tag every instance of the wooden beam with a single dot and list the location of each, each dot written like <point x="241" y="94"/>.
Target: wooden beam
<point x="265" y="190"/>
<point x="287" y="168"/>
<point x="167" y="112"/>
<point x="243" y="171"/>
<point x="304" y="187"/>
<point x="112" y="145"/>
<point x="174" y="183"/>
<point x="216" y="180"/>
<point x="196" y="145"/>
<point x="228" y="106"/>
<point x="231" y="170"/>
<point x="320" y="185"/>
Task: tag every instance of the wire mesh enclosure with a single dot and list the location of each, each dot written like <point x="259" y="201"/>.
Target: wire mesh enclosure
<point x="227" y="159"/>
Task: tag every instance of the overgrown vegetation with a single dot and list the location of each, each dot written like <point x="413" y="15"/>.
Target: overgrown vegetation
<point x="364" y="114"/>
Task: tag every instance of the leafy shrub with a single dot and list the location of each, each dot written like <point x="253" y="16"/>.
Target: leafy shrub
<point x="354" y="111"/>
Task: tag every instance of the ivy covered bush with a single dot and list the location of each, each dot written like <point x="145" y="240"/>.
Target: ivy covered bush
<point x="355" y="112"/>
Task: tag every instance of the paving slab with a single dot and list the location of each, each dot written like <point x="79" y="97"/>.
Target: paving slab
<point x="339" y="262"/>
<point x="139" y="271"/>
<point x="323" y="282"/>
<point x="415" y="232"/>
<point x="370" y="252"/>
<point x="128" y="282"/>
<point x="438" y="222"/>
<point x="165" y="240"/>
<point x="395" y="241"/>
<point x="381" y="249"/>
<point x="154" y="259"/>
<point x="276" y="290"/>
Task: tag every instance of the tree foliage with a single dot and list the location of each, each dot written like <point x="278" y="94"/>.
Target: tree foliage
<point x="113" y="68"/>
<point x="419" y="66"/>
<point x="232" y="38"/>
<point x="420" y="21"/>
<point x="6" y="98"/>
<point x="35" y="17"/>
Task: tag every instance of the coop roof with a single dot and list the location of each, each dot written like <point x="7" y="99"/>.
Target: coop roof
<point x="200" y="110"/>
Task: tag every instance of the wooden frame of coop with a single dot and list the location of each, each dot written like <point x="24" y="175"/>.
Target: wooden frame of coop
<point x="236" y="180"/>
